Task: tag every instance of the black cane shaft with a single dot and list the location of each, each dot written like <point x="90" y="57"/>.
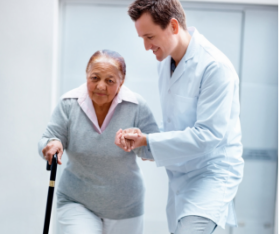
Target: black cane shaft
<point x="53" y="168"/>
<point x="48" y="210"/>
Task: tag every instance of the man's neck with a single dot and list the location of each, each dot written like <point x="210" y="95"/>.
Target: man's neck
<point x="183" y="43"/>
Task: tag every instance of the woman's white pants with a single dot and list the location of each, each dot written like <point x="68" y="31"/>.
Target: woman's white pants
<point x="74" y="218"/>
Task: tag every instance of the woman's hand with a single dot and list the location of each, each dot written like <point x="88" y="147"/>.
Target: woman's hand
<point x="51" y="149"/>
<point x="123" y="143"/>
<point x="129" y="139"/>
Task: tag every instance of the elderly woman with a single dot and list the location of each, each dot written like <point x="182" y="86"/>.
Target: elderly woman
<point x="101" y="189"/>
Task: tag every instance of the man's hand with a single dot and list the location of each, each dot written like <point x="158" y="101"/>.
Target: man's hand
<point x="51" y="149"/>
<point x="122" y="142"/>
<point x="129" y="139"/>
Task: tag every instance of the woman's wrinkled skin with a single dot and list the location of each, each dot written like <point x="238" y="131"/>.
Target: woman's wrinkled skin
<point x="104" y="81"/>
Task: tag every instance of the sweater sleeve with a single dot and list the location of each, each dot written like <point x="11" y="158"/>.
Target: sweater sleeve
<point x="147" y="124"/>
<point x="57" y="127"/>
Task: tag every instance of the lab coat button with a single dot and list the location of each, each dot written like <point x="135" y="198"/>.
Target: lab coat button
<point x="169" y="91"/>
<point x="177" y="193"/>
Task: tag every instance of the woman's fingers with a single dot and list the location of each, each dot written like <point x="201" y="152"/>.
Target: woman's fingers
<point x="133" y="131"/>
<point x="118" y="132"/>
<point x="129" y="144"/>
<point x="48" y="153"/>
<point x="138" y="139"/>
<point x="131" y="136"/>
<point x="123" y="142"/>
<point x="118" y="138"/>
<point x="137" y="131"/>
<point x="144" y="159"/>
<point x="52" y="148"/>
<point x="132" y="143"/>
<point x="59" y="156"/>
<point x="128" y="139"/>
<point x="49" y="159"/>
<point x="126" y="142"/>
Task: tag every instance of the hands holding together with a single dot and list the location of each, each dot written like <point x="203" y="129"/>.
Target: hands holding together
<point x="130" y="139"/>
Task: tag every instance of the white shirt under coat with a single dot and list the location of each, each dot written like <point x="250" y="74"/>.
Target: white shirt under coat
<point x="201" y="144"/>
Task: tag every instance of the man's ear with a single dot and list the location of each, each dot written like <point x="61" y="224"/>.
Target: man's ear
<point x="174" y="25"/>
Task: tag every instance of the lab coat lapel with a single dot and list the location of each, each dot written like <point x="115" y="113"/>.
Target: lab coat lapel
<point x="164" y="74"/>
<point x="180" y="69"/>
<point x="178" y="72"/>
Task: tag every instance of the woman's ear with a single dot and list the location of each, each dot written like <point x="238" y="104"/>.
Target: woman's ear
<point x="122" y="81"/>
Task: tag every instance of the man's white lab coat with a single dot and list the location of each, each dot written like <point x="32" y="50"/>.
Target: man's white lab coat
<point x="201" y="144"/>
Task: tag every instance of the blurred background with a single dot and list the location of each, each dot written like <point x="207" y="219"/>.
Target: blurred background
<point x="44" y="48"/>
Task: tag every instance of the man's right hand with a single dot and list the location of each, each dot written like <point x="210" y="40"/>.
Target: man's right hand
<point x="51" y="149"/>
<point x="129" y="144"/>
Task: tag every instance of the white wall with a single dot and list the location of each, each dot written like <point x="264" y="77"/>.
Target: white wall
<point x="258" y="2"/>
<point x="26" y="50"/>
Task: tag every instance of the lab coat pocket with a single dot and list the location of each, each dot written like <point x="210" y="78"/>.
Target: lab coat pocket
<point x="184" y="111"/>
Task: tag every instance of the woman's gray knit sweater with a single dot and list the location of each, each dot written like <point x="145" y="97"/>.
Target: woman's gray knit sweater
<point x="100" y="175"/>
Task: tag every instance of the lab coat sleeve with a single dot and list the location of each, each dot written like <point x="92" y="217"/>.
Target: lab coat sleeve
<point x="161" y="127"/>
<point x="57" y="127"/>
<point x="213" y="115"/>
<point x="146" y="123"/>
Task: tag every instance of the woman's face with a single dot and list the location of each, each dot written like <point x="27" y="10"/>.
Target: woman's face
<point x="104" y="81"/>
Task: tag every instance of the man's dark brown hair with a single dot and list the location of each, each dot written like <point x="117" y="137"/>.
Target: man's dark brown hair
<point x="162" y="11"/>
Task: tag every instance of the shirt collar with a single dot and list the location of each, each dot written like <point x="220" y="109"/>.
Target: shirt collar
<point x="81" y="93"/>
<point x="193" y="43"/>
<point x="85" y="102"/>
<point x="127" y="95"/>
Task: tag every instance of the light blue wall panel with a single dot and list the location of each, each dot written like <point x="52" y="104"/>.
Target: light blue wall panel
<point x="259" y="115"/>
<point x="223" y="28"/>
<point x="255" y="201"/>
<point x="260" y="51"/>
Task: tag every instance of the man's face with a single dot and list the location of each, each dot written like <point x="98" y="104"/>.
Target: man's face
<point x="161" y="42"/>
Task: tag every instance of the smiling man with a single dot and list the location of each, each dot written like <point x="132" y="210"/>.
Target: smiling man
<point x="200" y="145"/>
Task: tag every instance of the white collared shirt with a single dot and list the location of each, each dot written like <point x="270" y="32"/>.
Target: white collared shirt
<point x="86" y="104"/>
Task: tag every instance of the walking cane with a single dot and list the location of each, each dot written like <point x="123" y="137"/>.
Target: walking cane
<point x="51" y="168"/>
